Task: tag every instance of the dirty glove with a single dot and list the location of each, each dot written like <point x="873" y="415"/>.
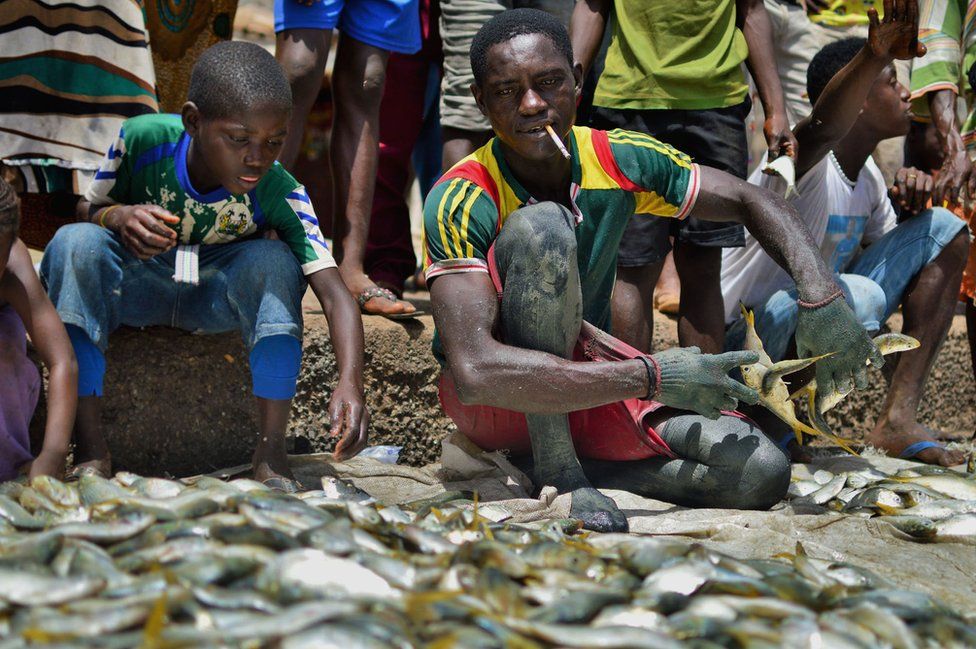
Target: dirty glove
<point x="833" y="327"/>
<point x="690" y="380"/>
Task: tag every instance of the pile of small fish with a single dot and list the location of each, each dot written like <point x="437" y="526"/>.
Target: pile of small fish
<point x="157" y="563"/>
<point x="929" y="503"/>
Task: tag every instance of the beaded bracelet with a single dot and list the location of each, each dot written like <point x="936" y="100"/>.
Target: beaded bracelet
<point x="104" y="213"/>
<point x="656" y="389"/>
<point x="824" y="302"/>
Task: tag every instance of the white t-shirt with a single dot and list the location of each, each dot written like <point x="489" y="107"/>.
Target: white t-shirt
<point x="843" y="216"/>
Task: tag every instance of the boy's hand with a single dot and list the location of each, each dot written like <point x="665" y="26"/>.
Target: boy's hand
<point x="349" y="420"/>
<point x="143" y="229"/>
<point x="49" y="463"/>
<point x="896" y="36"/>
<point x="912" y="189"/>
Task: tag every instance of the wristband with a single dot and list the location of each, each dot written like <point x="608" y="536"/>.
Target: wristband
<point x="655" y="389"/>
<point x="824" y="302"/>
<point x="104" y="213"/>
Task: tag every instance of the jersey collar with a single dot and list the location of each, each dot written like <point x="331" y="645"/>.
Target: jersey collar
<point x="524" y="197"/>
<point x="183" y="175"/>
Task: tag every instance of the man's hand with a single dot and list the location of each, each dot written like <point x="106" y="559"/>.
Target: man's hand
<point x="49" y="463"/>
<point x="143" y="229"/>
<point x="779" y="137"/>
<point x="956" y="172"/>
<point x="912" y="189"/>
<point x="349" y="420"/>
<point x="699" y="382"/>
<point x="896" y="36"/>
<point x="834" y="328"/>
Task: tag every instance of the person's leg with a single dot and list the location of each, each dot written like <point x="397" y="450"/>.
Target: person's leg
<point x="302" y="54"/>
<point x="632" y="305"/>
<point x="701" y="312"/>
<point x="725" y="463"/>
<point x="96" y="285"/>
<point x="389" y="256"/>
<point x="667" y="290"/>
<point x="358" y="82"/>
<point x="918" y="264"/>
<point x="717" y="138"/>
<point x="539" y="241"/>
<point x="464" y="128"/>
<point x="255" y="287"/>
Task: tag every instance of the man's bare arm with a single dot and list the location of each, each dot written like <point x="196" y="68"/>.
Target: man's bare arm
<point x="754" y="22"/>
<point x="956" y="168"/>
<point x="773" y="222"/>
<point x="492" y="373"/>
<point x="586" y="30"/>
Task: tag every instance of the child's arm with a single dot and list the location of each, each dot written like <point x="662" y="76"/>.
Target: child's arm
<point x="21" y="287"/>
<point x="347" y="411"/>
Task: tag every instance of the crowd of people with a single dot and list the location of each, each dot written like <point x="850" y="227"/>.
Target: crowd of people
<point x="580" y="148"/>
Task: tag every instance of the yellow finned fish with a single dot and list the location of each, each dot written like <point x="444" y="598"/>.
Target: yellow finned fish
<point x="766" y="378"/>
<point x="889" y="343"/>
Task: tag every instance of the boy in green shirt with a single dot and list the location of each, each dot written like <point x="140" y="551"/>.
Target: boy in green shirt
<point x="176" y="213"/>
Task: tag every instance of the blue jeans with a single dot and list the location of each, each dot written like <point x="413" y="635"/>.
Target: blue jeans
<point x="873" y="285"/>
<point x="253" y="286"/>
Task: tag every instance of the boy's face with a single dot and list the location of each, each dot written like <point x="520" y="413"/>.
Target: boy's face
<point x="234" y="152"/>
<point x="528" y="84"/>
<point x="887" y="108"/>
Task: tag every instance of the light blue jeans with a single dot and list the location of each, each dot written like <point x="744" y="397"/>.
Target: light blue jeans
<point x="873" y="285"/>
<point x="252" y="286"/>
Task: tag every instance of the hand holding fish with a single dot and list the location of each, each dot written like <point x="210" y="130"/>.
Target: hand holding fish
<point x="699" y="382"/>
<point x="828" y="327"/>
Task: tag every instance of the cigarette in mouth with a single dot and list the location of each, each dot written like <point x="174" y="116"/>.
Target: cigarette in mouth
<point x="557" y="141"/>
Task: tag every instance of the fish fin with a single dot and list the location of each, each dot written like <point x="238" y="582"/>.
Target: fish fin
<point x="778" y="370"/>
<point x="747" y="315"/>
<point x="809" y="430"/>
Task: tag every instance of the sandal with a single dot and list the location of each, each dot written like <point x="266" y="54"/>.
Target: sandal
<point x="369" y="293"/>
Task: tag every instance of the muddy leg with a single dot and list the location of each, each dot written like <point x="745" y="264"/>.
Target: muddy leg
<point x="542" y="309"/>
<point x="726" y="463"/>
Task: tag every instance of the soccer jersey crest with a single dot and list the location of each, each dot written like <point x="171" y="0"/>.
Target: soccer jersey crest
<point x="233" y="219"/>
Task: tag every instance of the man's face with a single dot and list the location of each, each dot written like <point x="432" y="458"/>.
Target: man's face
<point x="528" y="84"/>
<point x="887" y="108"/>
<point x="234" y="152"/>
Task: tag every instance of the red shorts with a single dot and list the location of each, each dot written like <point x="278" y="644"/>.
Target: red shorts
<point x="615" y="431"/>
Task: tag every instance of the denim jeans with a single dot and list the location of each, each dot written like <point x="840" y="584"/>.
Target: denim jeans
<point x="252" y="286"/>
<point x="873" y="285"/>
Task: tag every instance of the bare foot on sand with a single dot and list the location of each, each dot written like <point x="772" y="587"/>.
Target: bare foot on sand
<point x="895" y="440"/>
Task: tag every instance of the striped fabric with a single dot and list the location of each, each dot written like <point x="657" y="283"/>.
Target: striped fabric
<point x="70" y="74"/>
<point x="948" y="30"/>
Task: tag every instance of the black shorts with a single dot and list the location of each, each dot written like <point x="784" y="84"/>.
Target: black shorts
<point x="714" y="137"/>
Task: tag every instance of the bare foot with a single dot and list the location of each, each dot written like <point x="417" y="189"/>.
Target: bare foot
<point x="376" y="300"/>
<point x="894" y="441"/>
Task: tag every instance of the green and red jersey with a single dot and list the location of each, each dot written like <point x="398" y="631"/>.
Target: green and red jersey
<point x="615" y="174"/>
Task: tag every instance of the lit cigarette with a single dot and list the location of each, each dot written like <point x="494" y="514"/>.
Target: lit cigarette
<point x="557" y="141"/>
